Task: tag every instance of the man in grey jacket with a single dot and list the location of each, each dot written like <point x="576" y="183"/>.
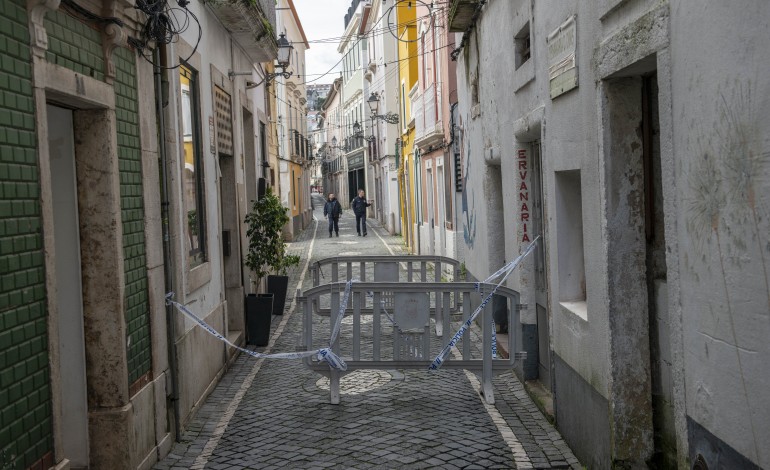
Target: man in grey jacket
<point x="359" y="205"/>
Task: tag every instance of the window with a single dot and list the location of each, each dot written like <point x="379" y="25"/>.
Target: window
<point x="522" y="44"/>
<point x="569" y="230"/>
<point x="263" y="144"/>
<point x="192" y="179"/>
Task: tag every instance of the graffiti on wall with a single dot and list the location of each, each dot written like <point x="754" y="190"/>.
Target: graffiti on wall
<point x="727" y="179"/>
<point x="726" y="218"/>
<point x="468" y="197"/>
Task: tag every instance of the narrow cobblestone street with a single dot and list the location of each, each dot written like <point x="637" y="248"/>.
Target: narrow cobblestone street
<point x="271" y="414"/>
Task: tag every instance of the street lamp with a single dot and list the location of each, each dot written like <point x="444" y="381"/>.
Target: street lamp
<point x="284" y="52"/>
<point x="357" y="132"/>
<point x="374" y="104"/>
<point x="284" y="59"/>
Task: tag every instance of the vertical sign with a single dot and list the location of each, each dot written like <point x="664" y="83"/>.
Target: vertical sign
<point x="523" y="170"/>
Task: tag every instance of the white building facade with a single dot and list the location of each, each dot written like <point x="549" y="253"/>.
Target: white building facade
<point x="631" y="141"/>
<point x="293" y="145"/>
<point x="353" y="49"/>
<point x="381" y="80"/>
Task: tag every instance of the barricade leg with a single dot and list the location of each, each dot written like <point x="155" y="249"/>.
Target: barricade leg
<point x="486" y="344"/>
<point x="439" y="314"/>
<point x="334" y="387"/>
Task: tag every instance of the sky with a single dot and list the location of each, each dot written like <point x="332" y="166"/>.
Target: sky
<point x="322" y="19"/>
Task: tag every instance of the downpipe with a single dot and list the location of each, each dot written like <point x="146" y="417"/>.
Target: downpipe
<point x="159" y="62"/>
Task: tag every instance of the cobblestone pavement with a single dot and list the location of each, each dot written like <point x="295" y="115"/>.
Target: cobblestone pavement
<point x="275" y="414"/>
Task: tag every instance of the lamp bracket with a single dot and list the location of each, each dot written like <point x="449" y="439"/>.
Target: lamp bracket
<point x="390" y="117"/>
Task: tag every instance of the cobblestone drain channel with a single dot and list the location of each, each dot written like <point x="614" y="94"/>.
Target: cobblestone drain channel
<point x="276" y="414"/>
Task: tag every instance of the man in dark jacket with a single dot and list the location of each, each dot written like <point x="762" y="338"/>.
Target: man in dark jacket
<point x="359" y="205"/>
<point x="332" y="211"/>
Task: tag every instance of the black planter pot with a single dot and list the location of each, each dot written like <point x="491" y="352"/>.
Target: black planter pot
<point x="259" y="314"/>
<point x="278" y="285"/>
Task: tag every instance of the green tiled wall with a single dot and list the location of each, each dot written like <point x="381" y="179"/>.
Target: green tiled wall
<point x="74" y="45"/>
<point x="78" y="47"/>
<point x="132" y="208"/>
<point x="25" y="410"/>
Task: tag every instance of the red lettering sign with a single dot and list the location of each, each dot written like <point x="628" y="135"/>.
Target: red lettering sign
<point x="523" y="193"/>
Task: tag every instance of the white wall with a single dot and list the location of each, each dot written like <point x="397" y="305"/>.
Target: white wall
<point x="722" y="143"/>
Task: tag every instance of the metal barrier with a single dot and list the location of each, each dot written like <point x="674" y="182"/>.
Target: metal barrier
<point x="388" y="268"/>
<point x="399" y="337"/>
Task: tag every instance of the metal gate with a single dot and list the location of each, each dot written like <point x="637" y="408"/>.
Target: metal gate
<point x="400" y="325"/>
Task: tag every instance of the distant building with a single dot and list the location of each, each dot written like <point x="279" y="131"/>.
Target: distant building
<point x="316" y="94"/>
<point x="293" y="145"/>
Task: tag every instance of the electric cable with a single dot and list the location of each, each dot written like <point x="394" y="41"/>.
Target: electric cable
<point x="163" y="25"/>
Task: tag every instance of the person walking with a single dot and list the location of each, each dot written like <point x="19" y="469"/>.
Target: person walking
<point x="333" y="211"/>
<point x="359" y="205"/>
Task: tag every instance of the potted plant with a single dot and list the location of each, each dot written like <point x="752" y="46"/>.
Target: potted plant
<point x="267" y="248"/>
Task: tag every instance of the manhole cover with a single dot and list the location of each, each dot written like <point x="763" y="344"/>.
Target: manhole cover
<point x="358" y="382"/>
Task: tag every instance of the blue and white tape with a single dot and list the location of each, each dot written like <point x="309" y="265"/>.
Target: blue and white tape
<point x="505" y="271"/>
<point x="323" y="354"/>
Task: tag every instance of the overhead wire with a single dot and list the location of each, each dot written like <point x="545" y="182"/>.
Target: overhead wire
<point x="375" y="84"/>
<point x="366" y="35"/>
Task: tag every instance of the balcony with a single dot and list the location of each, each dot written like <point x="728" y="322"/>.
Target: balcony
<point x="296" y="144"/>
<point x="353" y="143"/>
<point x="299" y="146"/>
<point x="374" y="151"/>
<point x="461" y="15"/>
<point x="251" y="24"/>
<point x="429" y="130"/>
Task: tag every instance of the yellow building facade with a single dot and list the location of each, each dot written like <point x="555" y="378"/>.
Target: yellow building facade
<point x="406" y="16"/>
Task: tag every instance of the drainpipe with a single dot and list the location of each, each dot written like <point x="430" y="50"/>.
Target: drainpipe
<point x="159" y="61"/>
<point x="454" y="162"/>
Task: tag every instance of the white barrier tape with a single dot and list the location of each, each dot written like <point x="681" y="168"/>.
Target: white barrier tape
<point x="370" y="295"/>
<point x="436" y="364"/>
<point x="494" y="340"/>
<point x="324" y="354"/>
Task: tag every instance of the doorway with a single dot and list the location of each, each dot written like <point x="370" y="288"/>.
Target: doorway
<point x="657" y="292"/>
<point x="636" y="261"/>
<point x="541" y="284"/>
<point x="231" y="245"/>
<point x="430" y="212"/>
<point x="441" y="196"/>
<point x="69" y="288"/>
<point x="355" y="182"/>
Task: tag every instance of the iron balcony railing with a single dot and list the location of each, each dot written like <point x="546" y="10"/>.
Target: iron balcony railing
<point x="353" y="143"/>
<point x="299" y="145"/>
